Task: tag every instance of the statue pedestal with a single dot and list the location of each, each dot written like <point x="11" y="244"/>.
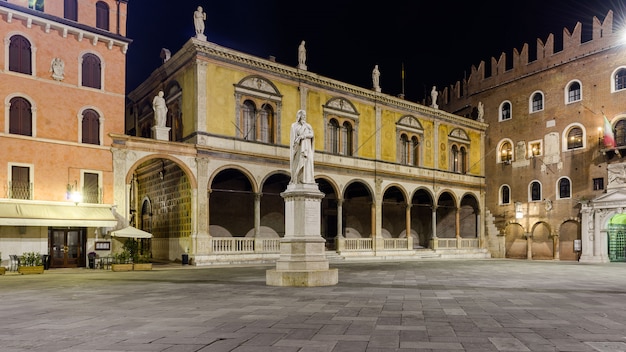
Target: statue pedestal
<point x="302" y="259"/>
<point x="161" y="133"/>
<point x="201" y="36"/>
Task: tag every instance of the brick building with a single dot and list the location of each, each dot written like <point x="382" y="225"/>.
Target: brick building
<point x="545" y="158"/>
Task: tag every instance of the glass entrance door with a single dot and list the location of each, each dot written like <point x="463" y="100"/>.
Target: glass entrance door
<point x="67" y="247"/>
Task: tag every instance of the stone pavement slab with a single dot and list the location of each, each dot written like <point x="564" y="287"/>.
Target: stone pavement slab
<point x="427" y="305"/>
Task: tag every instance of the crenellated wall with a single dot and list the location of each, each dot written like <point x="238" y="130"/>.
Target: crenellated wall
<point x="604" y="37"/>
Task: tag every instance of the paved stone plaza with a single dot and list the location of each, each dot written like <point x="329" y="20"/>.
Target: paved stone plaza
<point x="428" y="305"/>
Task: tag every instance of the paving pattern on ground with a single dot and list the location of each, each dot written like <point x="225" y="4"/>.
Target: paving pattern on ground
<point x="428" y="305"/>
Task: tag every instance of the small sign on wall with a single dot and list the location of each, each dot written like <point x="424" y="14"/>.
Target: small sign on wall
<point x="578" y="245"/>
<point x="103" y="246"/>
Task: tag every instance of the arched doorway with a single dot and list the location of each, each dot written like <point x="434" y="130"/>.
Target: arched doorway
<point x="357" y="209"/>
<point x="393" y="213"/>
<point x="617" y="238"/>
<point x="516" y="244"/>
<point x="422" y="218"/>
<point x="231" y="204"/>
<point x="329" y="212"/>
<point x="568" y="233"/>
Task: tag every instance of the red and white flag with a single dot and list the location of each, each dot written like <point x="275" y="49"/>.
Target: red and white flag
<point x="609" y="137"/>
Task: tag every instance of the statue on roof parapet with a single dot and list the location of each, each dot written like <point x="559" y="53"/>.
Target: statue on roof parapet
<point x="199" y="16"/>
<point x="302" y="56"/>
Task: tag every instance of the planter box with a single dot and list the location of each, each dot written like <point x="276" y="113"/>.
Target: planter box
<point x="142" y="266"/>
<point x="26" y="270"/>
<point x="121" y="267"/>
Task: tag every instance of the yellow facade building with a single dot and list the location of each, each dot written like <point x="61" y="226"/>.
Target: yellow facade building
<point x="400" y="179"/>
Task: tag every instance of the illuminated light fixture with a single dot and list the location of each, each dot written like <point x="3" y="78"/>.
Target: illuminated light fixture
<point x="519" y="213"/>
<point x="73" y="193"/>
<point x="162" y="172"/>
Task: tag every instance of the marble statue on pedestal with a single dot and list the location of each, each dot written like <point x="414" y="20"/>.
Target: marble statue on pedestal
<point x="302" y="150"/>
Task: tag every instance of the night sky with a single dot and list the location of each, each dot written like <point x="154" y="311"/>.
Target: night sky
<point x="436" y="41"/>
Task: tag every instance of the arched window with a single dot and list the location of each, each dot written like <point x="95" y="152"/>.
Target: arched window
<point x="454" y="158"/>
<point x="91" y="71"/>
<point x="409" y="131"/>
<point x="505" y="111"/>
<point x="535" y="191"/>
<point x="20" y="55"/>
<point x="463" y="160"/>
<point x="91" y="127"/>
<point x="575" y="138"/>
<point x="404" y="150"/>
<point x="266" y="117"/>
<point x="620" y="79"/>
<point x="102" y="15"/>
<point x="258" y="110"/>
<point x="36" y="4"/>
<point x="565" y="188"/>
<point x="505" y="194"/>
<point x="20" y="117"/>
<point x="536" y="103"/>
<point x="333" y="136"/>
<point x="414" y="151"/>
<point x="70" y="10"/>
<point x="506" y="153"/>
<point x="346" y="138"/>
<point x="620" y="133"/>
<point x="248" y="112"/>
<point x="573" y="92"/>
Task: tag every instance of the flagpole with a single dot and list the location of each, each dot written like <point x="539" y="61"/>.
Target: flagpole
<point x="403" y="79"/>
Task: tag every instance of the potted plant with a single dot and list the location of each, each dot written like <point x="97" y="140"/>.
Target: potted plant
<point x="30" y="263"/>
<point x="142" y="262"/>
<point x="122" y="262"/>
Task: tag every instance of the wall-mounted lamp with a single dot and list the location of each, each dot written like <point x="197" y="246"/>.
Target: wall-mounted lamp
<point x="73" y="193"/>
<point x="162" y="172"/>
<point x="519" y="213"/>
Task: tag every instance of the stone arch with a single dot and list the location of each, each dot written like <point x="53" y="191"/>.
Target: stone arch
<point x="515" y="243"/>
<point x="393" y="211"/>
<point x="469" y="215"/>
<point x="422" y="202"/>
<point x="358" y="202"/>
<point x="542" y="241"/>
<point x="231" y="202"/>
<point x="446" y="214"/>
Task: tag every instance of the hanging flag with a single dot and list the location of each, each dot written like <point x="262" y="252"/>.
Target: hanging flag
<point x="609" y="137"/>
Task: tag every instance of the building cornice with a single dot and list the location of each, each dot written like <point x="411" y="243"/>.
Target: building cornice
<point x="11" y="12"/>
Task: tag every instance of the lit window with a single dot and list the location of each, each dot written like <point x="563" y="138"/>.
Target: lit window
<point x="506" y="152"/>
<point x="575" y="138"/>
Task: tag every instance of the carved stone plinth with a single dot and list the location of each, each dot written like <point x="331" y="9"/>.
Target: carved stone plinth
<point x="302" y="259"/>
<point x="161" y="133"/>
